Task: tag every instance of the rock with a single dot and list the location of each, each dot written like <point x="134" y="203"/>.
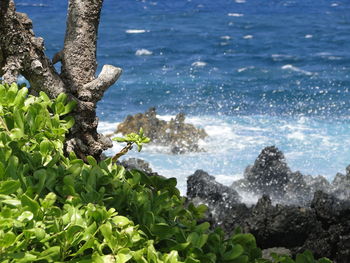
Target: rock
<point x="323" y="227"/>
<point x="280" y="226"/>
<point x="203" y="189"/>
<point x="330" y="209"/>
<point x="266" y="253"/>
<point x="297" y="191"/>
<point x="181" y="137"/>
<point x="135" y="163"/>
<point x="318" y="183"/>
<point x="269" y="174"/>
<point x="341" y="185"/>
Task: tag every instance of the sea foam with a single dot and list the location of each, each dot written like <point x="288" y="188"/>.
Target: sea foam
<point x="135" y="31"/>
<point x="296" y="69"/>
<point x="143" y="52"/>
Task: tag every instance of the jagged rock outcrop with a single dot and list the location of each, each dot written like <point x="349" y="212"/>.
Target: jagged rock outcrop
<point x="323" y="227"/>
<point x="341" y="184"/>
<point x="303" y="212"/>
<point x="271" y="175"/>
<point x="180" y="136"/>
<point x="138" y="164"/>
<point x="203" y="189"/>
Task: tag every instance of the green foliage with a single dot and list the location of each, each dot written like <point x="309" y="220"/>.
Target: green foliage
<point x="55" y="208"/>
<point x="138" y="139"/>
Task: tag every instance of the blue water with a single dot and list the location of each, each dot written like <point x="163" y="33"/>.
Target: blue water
<point x="252" y="73"/>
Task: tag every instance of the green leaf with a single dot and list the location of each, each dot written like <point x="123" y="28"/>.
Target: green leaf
<point x="21" y="95"/>
<point x="45" y="147"/>
<point x="11" y="202"/>
<point x="44" y="97"/>
<point x="324" y="260"/>
<point x="17" y="133"/>
<point x="123" y="255"/>
<point x="49" y="200"/>
<point x="40" y="175"/>
<point x="19" y="119"/>
<point x="61" y="98"/>
<point x="7" y="240"/>
<point x="32" y="205"/>
<point x="121" y="221"/>
<point x="51" y="254"/>
<point x="146" y="140"/>
<point x="163" y="231"/>
<point x="11" y="169"/>
<point x="9" y="187"/>
<point x="234" y="253"/>
<point x="91" y="160"/>
<point x="69" y="107"/>
<point x="69" y="122"/>
<point x="59" y="108"/>
<point x="119" y="139"/>
<point x="25" y="216"/>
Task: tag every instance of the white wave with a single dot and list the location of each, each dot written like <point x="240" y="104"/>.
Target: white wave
<point x="310" y="145"/>
<point x="244" y="69"/>
<point x="308" y="36"/>
<point x="105" y="127"/>
<point x="143" y="52"/>
<point x="235" y="14"/>
<point x="296" y="69"/>
<point x="297" y="135"/>
<point x="225" y="37"/>
<point x="199" y="64"/>
<point x="334" y="58"/>
<point x="248" y="37"/>
<point x="166" y="117"/>
<point x="240" y="1"/>
<point x="135" y="31"/>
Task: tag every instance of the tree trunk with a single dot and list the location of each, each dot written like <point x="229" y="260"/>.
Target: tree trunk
<point x="21" y="53"/>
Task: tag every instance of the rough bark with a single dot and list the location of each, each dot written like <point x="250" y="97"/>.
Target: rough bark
<point x="21" y="53"/>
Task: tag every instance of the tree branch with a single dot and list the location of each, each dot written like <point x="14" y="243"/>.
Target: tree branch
<point x="93" y="91"/>
<point x="23" y="53"/>
<point x="79" y="52"/>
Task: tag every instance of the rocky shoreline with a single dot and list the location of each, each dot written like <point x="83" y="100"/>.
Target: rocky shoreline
<point x="286" y="211"/>
<point x="293" y="212"/>
<point x="179" y="136"/>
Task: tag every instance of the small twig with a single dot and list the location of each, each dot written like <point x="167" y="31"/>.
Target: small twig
<point x="122" y="151"/>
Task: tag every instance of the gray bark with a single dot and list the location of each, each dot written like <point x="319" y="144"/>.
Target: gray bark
<point x="21" y="53"/>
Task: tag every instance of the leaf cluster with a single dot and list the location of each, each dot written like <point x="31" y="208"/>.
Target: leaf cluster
<point x="131" y="138"/>
<point x="55" y="208"/>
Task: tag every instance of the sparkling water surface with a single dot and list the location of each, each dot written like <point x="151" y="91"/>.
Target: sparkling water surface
<point x="252" y="73"/>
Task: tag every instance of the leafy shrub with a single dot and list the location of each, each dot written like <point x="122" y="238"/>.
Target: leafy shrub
<point x="55" y="208"/>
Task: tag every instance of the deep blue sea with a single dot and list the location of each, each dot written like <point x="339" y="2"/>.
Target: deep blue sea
<point x="253" y="73"/>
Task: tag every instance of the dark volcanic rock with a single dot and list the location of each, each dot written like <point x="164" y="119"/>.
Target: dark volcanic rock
<point x="280" y="226"/>
<point x="203" y="189"/>
<point x="180" y="136"/>
<point x="341" y="184"/>
<point x="269" y="174"/>
<point x="322" y="227"/>
<point x="203" y="185"/>
<point x="135" y="163"/>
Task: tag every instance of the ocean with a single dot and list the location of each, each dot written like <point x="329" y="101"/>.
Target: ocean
<point x="252" y="73"/>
